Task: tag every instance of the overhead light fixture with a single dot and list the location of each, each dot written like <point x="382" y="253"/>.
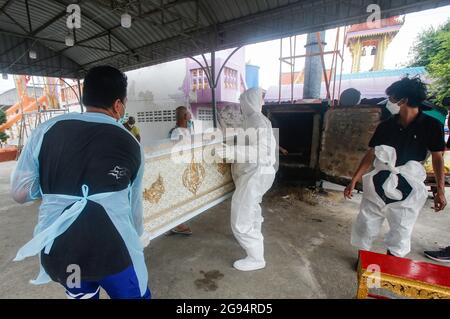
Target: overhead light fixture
<point x="32" y="54"/>
<point x="5" y="76"/>
<point x="125" y="20"/>
<point x="69" y="40"/>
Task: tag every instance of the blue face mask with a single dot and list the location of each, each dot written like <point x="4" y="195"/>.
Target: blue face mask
<point x="190" y="124"/>
<point x="123" y="119"/>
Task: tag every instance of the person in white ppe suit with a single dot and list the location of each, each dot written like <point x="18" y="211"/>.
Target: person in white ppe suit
<point x="252" y="177"/>
<point x="395" y="189"/>
<point x="388" y="202"/>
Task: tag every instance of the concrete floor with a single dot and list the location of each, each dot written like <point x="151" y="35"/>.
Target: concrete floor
<point x="306" y="238"/>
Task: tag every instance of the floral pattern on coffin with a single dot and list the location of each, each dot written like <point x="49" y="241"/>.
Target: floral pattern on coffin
<point x="193" y="176"/>
<point x="175" y="192"/>
<point x="155" y="192"/>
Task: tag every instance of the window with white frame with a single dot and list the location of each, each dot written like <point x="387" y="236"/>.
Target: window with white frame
<point x="230" y="78"/>
<point x="156" y="116"/>
<point x="199" y="80"/>
<point x="204" y="114"/>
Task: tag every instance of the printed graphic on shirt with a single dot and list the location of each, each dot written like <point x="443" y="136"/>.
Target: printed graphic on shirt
<point x="119" y="172"/>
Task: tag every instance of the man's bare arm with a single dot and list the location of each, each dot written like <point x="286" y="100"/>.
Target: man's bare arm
<point x="438" y="167"/>
<point x="364" y="166"/>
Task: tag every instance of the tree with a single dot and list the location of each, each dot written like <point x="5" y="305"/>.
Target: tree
<point x="432" y="51"/>
<point x="2" y="117"/>
<point x="3" y="135"/>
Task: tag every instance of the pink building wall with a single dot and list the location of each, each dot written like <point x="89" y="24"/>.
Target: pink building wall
<point x="224" y="95"/>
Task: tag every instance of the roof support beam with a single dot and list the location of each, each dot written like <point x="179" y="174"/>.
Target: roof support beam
<point x="208" y="16"/>
<point x="49" y="23"/>
<point x="5" y="6"/>
<point x="142" y="16"/>
<point x="132" y="52"/>
<point x="12" y="48"/>
<point x="155" y="44"/>
<point x="166" y="10"/>
<point x="6" y="64"/>
<point x="27" y="7"/>
<point x="15" y="22"/>
<point x="32" y="37"/>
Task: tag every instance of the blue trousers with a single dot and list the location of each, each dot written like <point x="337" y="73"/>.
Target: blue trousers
<point x="123" y="285"/>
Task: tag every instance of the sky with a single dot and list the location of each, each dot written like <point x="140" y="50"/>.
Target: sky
<point x="266" y="54"/>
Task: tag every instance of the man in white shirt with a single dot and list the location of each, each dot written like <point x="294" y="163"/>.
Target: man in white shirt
<point x="182" y="130"/>
<point x="184" y="126"/>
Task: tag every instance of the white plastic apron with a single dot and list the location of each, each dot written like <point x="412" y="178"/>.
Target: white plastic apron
<point x="412" y="171"/>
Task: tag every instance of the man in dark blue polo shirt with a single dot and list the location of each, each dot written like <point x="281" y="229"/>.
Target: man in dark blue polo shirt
<point x="412" y="134"/>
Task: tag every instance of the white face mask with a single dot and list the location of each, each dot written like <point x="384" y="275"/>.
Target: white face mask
<point x="394" y="108"/>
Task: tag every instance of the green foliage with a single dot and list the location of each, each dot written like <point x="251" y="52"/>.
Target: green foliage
<point x="439" y="68"/>
<point x="2" y="117"/>
<point x="3" y="137"/>
<point x="432" y="50"/>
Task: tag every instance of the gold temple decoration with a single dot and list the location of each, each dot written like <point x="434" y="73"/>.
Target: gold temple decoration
<point x="193" y="176"/>
<point x="156" y="190"/>
<point x="223" y="168"/>
<point x="402" y="287"/>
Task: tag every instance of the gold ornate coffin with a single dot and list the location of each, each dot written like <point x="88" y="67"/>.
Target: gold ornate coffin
<point x="176" y="190"/>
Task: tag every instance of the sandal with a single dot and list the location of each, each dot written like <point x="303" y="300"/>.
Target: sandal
<point x="186" y="231"/>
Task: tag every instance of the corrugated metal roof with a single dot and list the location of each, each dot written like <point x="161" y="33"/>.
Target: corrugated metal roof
<point x="162" y="30"/>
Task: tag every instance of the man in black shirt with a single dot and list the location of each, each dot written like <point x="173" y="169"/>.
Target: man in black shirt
<point x="412" y="135"/>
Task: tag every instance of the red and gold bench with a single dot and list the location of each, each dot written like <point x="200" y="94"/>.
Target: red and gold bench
<point x="401" y="276"/>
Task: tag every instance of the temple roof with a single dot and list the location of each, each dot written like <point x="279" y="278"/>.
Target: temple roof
<point x="389" y="25"/>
